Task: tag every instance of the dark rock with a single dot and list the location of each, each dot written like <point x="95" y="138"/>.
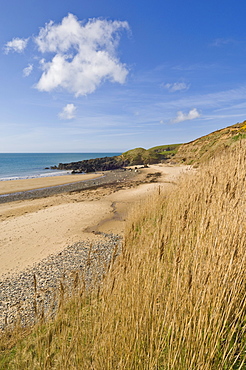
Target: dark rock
<point x="77" y="171"/>
<point x="93" y="165"/>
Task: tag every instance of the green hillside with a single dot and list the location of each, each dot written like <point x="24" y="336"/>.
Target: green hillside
<point x="194" y="152"/>
<point x="208" y="146"/>
<point x="141" y="156"/>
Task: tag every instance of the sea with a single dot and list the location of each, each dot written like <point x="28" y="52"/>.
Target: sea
<point x="15" y="166"/>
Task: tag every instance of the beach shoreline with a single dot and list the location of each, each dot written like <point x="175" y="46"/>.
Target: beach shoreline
<point x="16" y="186"/>
<point x="39" y="222"/>
<point x="44" y="222"/>
<point x="36" y="232"/>
<point x="45" y="187"/>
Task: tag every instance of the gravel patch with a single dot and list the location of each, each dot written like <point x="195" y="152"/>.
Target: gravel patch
<point x="36" y="291"/>
<point x="108" y="177"/>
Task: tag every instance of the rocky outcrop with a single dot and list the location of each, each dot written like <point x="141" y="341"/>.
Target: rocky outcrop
<point x="93" y="165"/>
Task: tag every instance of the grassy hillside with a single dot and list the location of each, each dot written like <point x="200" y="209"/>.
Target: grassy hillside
<point x="166" y="151"/>
<point x="176" y="296"/>
<point x="208" y="146"/>
<point x="140" y="156"/>
<point x="194" y="152"/>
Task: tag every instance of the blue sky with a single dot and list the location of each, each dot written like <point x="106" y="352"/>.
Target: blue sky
<point x="100" y="76"/>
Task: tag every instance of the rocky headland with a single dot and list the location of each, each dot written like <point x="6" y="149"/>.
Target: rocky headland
<point x="137" y="156"/>
<point x="194" y="152"/>
<point x="93" y="165"/>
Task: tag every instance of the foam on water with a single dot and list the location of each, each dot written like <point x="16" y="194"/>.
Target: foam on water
<point x="41" y="175"/>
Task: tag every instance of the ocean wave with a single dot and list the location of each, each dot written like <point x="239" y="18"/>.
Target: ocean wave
<point x="40" y="175"/>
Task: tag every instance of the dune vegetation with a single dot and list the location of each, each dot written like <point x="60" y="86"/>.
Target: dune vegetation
<point x="175" y="298"/>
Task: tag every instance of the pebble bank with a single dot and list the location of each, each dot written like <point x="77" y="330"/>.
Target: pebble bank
<point x="36" y="291"/>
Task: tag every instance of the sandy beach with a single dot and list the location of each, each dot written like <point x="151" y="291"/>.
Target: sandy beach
<point x="33" y="229"/>
<point x="13" y="186"/>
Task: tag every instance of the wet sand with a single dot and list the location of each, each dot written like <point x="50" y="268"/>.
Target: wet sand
<point x="46" y="187"/>
<point x="13" y="186"/>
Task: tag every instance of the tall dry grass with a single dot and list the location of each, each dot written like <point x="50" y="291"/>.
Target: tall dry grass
<point x="174" y="299"/>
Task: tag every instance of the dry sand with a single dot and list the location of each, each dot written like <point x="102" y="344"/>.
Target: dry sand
<point x="31" y="230"/>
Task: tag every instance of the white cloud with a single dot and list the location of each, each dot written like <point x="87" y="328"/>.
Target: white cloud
<point x="177" y="86"/>
<point x="181" y="116"/>
<point x="85" y="55"/>
<point x="16" y="44"/>
<point x="28" y="70"/>
<point x="223" y="41"/>
<point x="68" y="112"/>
